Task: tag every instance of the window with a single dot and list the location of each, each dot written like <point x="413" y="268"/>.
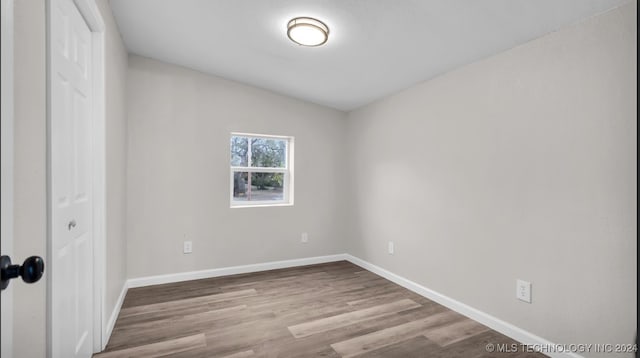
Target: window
<point x="261" y="170"/>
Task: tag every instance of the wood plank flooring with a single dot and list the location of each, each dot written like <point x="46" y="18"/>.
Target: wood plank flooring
<point x="327" y="310"/>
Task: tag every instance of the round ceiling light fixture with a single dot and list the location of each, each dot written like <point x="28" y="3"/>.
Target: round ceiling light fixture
<point x="307" y="31"/>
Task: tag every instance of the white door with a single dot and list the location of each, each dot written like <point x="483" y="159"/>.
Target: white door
<point x="6" y="162"/>
<point x="71" y="259"/>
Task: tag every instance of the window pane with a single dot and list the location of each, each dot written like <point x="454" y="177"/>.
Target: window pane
<point x="240" y="186"/>
<point x="266" y="186"/>
<point x="268" y="153"/>
<point x="263" y="187"/>
<point x="239" y="151"/>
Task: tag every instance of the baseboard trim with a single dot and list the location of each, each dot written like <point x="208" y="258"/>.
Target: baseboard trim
<point x="114" y="315"/>
<point x="232" y="270"/>
<point x="492" y="322"/>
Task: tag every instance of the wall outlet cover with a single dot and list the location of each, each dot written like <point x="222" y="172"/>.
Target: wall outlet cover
<point x="304" y="238"/>
<point x="523" y="290"/>
<point x="391" y="248"/>
<point x="187" y="247"/>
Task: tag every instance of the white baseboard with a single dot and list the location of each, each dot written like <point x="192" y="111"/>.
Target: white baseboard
<point x="233" y="270"/>
<point x="108" y="329"/>
<point x="492" y="322"/>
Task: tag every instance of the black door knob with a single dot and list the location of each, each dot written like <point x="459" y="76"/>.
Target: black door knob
<point x="31" y="270"/>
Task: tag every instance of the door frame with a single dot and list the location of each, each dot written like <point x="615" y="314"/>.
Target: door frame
<point x="92" y="16"/>
<point x="7" y="138"/>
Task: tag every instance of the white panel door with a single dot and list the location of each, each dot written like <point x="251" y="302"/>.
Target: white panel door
<point x="70" y="186"/>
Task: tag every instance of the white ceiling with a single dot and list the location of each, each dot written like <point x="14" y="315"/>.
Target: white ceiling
<point x="375" y="47"/>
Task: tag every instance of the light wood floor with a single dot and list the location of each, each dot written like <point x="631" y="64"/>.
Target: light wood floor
<point x="327" y="310"/>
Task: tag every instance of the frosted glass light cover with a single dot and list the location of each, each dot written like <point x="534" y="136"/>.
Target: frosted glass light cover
<point x="307" y="31"/>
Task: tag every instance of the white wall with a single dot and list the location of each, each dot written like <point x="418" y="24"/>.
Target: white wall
<point x="519" y="166"/>
<point x="116" y="158"/>
<point x="178" y="173"/>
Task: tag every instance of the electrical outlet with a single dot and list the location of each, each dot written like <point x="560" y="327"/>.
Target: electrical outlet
<point x="304" y="238"/>
<point x="523" y="290"/>
<point x="187" y="247"/>
<point x="391" y="248"/>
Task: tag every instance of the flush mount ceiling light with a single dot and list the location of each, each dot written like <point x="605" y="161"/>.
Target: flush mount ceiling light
<point x="307" y="31"/>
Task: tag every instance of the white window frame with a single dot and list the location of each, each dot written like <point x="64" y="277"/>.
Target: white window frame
<point x="287" y="188"/>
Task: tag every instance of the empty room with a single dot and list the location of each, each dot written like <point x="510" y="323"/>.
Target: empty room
<point x="335" y="178"/>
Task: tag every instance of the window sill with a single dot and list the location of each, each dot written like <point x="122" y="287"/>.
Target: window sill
<point x="258" y="205"/>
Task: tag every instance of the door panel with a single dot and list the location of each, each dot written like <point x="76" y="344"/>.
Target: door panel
<point x="71" y="179"/>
